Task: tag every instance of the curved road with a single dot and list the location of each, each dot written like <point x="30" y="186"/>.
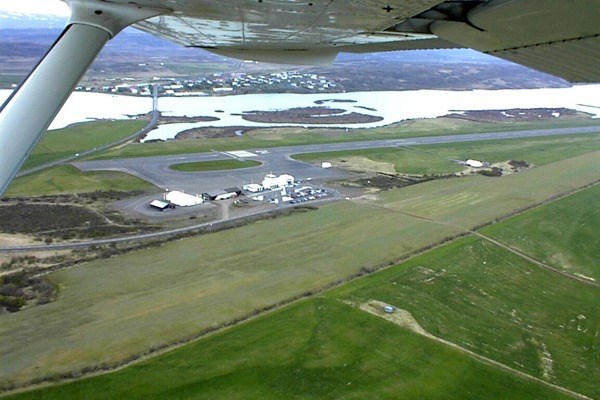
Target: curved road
<point x="171" y="232"/>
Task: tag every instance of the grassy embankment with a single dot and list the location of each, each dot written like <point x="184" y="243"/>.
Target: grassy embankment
<point x="276" y="137"/>
<point x="218" y="165"/>
<point x="61" y="143"/>
<point x="108" y="310"/>
<point x="68" y="179"/>
<point x="470" y="292"/>
<point x="439" y="158"/>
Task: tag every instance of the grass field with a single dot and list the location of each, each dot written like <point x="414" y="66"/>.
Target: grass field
<point x="68" y="179"/>
<point x="218" y="165"/>
<point x="499" y="305"/>
<point x="387" y="160"/>
<point x="563" y="234"/>
<point x="61" y="143"/>
<point x="317" y="349"/>
<point x="108" y="310"/>
<point x="469" y="202"/>
<point x="469" y="292"/>
<point x="195" y="68"/>
<point x="265" y="138"/>
<point x="439" y="159"/>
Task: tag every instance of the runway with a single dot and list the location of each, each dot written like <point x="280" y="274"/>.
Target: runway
<point x="278" y="160"/>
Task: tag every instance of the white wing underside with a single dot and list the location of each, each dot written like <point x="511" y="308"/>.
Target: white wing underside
<point x="561" y="37"/>
<point x="558" y="37"/>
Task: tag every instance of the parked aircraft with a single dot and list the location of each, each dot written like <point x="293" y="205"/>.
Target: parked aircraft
<point x="558" y="37"/>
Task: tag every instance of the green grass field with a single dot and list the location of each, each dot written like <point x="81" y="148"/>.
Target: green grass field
<point x="218" y="165"/>
<point x="563" y="234"/>
<point x="317" y="349"/>
<point x="265" y="138"/>
<point x="499" y="305"/>
<point x="61" y="143"/>
<point x="204" y="68"/>
<point x="68" y="179"/>
<point x="469" y="292"/>
<point x="108" y="309"/>
<point x="438" y="159"/>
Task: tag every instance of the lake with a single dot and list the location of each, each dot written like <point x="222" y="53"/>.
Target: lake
<point x="392" y="106"/>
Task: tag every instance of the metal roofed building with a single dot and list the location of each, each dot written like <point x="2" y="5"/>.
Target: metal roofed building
<point x="183" y="199"/>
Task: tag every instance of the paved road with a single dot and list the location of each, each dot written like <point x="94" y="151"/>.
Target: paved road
<point x="277" y="160"/>
<point x="213" y="225"/>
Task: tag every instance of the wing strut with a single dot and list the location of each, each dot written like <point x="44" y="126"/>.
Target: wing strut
<point x="28" y="112"/>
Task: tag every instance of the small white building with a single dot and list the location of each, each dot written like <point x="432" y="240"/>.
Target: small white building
<point x="160" y="205"/>
<point x="272" y="181"/>
<point x="326" y="165"/>
<point x="183" y="199"/>
<point x="474" y="163"/>
<point x="253" y="187"/>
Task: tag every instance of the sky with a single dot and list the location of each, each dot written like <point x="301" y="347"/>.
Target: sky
<point x="46" y="7"/>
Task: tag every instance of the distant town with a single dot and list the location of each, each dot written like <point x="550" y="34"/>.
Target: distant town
<point x="220" y="84"/>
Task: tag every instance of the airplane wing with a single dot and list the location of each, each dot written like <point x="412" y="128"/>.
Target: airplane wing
<point x="556" y="36"/>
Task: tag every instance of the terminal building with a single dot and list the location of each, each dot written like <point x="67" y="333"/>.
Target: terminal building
<point x="272" y="181"/>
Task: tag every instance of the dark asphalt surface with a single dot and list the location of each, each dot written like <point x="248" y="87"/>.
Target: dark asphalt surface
<point x="277" y="160"/>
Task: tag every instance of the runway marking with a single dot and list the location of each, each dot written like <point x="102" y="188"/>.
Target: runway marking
<point x="241" y="154"/>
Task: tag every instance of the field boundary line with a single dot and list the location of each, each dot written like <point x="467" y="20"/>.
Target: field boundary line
<point x="475" y="230"/>
<point x="533" y="260"/>
<point x="405" y="319"/>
